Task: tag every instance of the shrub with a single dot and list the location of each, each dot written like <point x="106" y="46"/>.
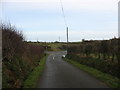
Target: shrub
<point x="12" y="42"/>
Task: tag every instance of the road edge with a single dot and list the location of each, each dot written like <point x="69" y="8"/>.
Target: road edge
<point x="31" y="81"/>
<point x="109" y="80"/>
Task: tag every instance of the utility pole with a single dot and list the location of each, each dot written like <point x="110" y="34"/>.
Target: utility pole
<point x="67" y="35"/>
<point x="67" y="40"/>
<point x="65" y="21"/>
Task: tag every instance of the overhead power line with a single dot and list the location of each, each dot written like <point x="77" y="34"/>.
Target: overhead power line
<point x="63" y="13"/>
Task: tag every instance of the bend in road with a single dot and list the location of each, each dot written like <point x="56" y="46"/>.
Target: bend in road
<point x="60" y="74"/>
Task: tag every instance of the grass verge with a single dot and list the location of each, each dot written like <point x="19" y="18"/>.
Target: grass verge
<point x="32" y="79"/>
<point x="109" y="80"/>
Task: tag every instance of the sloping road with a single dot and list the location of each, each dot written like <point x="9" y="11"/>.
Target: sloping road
<point x="60" y="74"/>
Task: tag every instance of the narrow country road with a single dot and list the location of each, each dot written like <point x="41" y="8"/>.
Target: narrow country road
<point x="60" y="74"/>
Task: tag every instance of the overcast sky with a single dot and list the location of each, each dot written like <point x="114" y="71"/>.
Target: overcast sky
<point x="43" y="20"/>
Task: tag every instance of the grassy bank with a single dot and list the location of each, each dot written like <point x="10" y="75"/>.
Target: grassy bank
<point x="32" y="79"/>
<point x="106" y="78"/>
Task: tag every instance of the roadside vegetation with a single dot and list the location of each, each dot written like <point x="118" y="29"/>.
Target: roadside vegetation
<point x="32" y="80"/>
<point x="109" y="80"/>
<point x="19" y="57"/>
<point x="103" y="55"/>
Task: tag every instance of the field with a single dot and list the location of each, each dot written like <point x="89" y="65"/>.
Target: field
<point x="51" y="46"/>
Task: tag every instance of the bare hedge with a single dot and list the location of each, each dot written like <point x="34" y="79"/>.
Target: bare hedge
<point x="12" y="42"/>
<point x="19" y="57"/>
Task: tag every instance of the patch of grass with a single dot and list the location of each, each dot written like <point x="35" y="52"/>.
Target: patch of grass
<point x="109" y="80"/>
<point x="32" y="79"/>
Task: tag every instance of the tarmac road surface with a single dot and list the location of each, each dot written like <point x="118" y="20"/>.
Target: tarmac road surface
<point x="60" y="74"/>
